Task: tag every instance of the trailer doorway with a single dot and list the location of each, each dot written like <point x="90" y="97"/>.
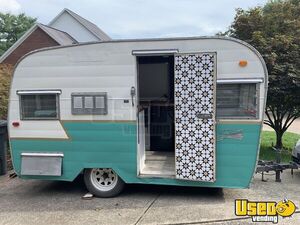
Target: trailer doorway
<point x="156" y="147"/>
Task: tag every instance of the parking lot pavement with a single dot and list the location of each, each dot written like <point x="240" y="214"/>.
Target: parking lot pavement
<point x="45" y="202"/>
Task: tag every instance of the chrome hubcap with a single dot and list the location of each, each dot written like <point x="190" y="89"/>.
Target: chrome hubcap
<point x="104" y="179"/>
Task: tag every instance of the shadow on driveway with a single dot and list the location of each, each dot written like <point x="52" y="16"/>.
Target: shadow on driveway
<point x="34" y="195"/>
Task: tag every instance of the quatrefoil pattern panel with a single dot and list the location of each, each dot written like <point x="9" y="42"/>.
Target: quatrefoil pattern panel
<point x="195" y="135"/>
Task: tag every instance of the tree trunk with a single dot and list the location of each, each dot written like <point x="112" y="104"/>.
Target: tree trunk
<point x="279" y="140"/>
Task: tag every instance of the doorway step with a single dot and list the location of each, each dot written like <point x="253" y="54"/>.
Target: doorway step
<point x="159" y="164"/>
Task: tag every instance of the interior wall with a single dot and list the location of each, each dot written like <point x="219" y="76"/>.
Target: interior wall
<point x="156" y="90"/>
<point x="156" y="78"/>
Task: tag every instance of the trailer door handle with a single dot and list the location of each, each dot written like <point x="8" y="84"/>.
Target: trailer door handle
<point x="204" y="115"/>
<point x="132" y="93"/>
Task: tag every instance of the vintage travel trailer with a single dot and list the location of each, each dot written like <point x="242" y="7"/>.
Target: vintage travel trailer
<point x="175" y="111"/>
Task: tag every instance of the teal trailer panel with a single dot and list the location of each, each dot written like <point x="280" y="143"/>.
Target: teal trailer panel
<point x="114" y="145"/>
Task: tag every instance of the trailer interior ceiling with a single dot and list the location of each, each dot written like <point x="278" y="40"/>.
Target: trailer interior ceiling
<point x="156" y="103"/>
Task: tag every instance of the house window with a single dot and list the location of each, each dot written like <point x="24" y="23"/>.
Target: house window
<point x="237" y="101"/>
<point x="39" y="106"/>
<point x="89" y="103"/>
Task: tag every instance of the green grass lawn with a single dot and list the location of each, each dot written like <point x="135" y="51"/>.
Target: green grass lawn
<point x="268" y="139"/>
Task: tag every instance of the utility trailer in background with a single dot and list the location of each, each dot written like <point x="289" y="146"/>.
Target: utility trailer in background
<point x="175" y="111"/>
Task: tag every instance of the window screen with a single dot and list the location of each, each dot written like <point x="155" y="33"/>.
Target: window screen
<point x="39" y="106"/>
<point x="89" y="103"/>
<point x="236" y="101"/>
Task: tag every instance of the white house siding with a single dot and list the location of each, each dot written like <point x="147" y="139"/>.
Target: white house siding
<point x="68" y="24"/>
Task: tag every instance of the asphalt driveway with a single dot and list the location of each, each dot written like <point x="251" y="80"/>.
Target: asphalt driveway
<point x="45" y="202"/>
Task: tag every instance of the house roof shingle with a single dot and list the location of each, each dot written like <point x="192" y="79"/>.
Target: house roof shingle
<point x="59" y="36"/>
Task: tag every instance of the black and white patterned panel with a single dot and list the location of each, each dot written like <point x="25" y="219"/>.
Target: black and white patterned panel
<point x="194" y="116"/>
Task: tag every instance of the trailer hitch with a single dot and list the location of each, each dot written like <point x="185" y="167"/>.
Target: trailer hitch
<point x="267" y="166"/>
<point x="278" y="167"/>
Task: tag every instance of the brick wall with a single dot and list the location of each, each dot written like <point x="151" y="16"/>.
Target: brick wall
<point x="37" y="39"/>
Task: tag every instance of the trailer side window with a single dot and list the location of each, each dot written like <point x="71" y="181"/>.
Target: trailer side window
<point x="89" y="103"/>
<point x="237" y="101"/>
<point x="39" y="106"/>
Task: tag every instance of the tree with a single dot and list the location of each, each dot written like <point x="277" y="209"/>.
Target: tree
<point x="274" y="30"/>
<point x="12" y="27"/>
<point x="5" y="79"/>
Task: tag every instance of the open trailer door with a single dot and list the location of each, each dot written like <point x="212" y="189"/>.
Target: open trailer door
<point x="195" y="87"/>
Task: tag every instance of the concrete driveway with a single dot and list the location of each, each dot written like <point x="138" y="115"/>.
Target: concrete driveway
<point x="44" y="202"/>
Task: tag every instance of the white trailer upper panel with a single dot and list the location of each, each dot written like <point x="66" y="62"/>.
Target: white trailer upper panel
<point x="111" y="67"/>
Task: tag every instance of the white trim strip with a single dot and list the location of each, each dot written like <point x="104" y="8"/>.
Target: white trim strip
<point x="41" y="154"/>
<point x="39" y="92"/>
<point x="243" y="81"/>
<point x="155" y="52"/>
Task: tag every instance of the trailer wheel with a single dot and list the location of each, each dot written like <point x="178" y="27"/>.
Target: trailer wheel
<point x="103" y="182"/>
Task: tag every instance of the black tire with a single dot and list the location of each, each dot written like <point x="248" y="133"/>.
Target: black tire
<point x="97" y="187"/>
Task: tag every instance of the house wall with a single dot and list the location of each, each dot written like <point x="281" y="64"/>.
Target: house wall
<point x="36" y="40"/>
<point x="68" y="24"/>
